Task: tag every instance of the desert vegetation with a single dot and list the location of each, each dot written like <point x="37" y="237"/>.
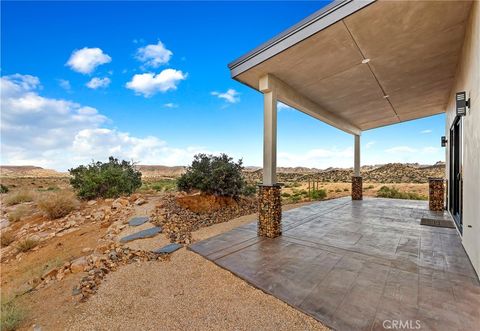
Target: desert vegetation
<point x="11" y="315"/>
<point x="393" y="193"/>
<point x="210" y="174"/>
<point x="57" y="204"/>
<point x="17" y="197"/>
<point x="105" y="180"/>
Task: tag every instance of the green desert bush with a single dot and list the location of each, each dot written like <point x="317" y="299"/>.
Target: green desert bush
<point x="345" y="189"/>
<point x="393" y="193"/>
<point x="11" y="315"/>
<point x="57" y="204"/>
<point x="249" y="190"/>
<point x="14" y="198"/>
<point x="105" y="180"/>
<point x="286" y="195"/>
<point x="26" y="245"/>
<point x="318" y="194"/>
<point x="211" y="174"/>
<point x="6" y="238"/>
<point x="3" y="188"/>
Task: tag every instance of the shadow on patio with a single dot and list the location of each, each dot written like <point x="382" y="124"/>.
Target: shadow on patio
<point x="358" y="265"/>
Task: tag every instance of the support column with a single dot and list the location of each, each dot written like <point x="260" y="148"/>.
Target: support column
<point x="357" y="187"/>
<point x="270" y="206"/>
<point x="436" y="194"/>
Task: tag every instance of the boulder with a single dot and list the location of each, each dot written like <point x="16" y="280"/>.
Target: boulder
<point x="79" y="265"/>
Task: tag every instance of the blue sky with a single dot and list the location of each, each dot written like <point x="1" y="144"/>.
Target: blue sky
<point x="149" y="82"/>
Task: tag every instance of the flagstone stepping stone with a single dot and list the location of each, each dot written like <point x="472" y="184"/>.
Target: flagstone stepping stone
<point x="138" y="220"/>
<point x="147" y="233"/>
<point x="170" y="248"/>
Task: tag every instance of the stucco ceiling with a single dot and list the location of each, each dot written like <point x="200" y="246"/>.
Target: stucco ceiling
<point x="413" y="49"/>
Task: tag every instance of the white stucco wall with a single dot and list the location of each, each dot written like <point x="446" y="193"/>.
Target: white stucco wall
<point x="468" y="79"/>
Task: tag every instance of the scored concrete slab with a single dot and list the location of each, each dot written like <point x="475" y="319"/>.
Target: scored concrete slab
<point x="170" y="248"/>
<point x="138" y="220"/>
<point x="147" y="233"/>
<point x="355" y="264"/>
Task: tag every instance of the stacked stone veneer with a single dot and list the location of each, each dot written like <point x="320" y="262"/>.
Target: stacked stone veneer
<point x="269" y="211"/>
<point x="357" y="188"/>
<point x="436" y="194"/>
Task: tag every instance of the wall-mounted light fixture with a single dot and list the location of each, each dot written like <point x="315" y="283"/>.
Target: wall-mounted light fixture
<point x="462" y="103"/>
<point x="444" y="141"/>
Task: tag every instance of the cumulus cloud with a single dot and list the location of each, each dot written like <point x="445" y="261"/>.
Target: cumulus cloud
<point x="149" y="84"/>
<point x="59" y="133"/>
<point x="97" y="82"/>
<point x="231" y="96"/>
<point x="154" y="55"/>
<point x="86" y="60"/>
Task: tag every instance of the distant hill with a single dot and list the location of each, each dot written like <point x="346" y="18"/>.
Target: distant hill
<point x="385" y="173"/>
<point x="29" y="171"/>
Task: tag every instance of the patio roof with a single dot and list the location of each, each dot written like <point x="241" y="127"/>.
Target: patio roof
<point x="359" y="65"/>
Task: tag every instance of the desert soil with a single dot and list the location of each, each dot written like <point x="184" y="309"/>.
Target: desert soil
<point x="184" y="293"/>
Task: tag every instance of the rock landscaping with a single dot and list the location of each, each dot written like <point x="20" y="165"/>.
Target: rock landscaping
<point x="179" y="221"/>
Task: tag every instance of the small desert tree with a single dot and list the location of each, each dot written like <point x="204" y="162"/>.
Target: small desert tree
<point x="211" y="174"/>
<point x="106" y="180"/>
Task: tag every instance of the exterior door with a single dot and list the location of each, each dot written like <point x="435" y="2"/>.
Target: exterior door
<point x="455" y="180"/>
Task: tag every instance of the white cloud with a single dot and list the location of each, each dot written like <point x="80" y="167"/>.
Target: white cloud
<point x="65" y="84"/>
<point x="85" y="60"/>
<point x="149" y="83"/>
<point x="410" y="150"/>
<point x="318" y="158"/>
<point x="170" y="105"/>
<point x="370" y="144"/>
<point x="281" y="106"/>
<point x="231" y="96"/>
<point x="154" y="55"/>
<point x="60" y="134"/>
<point x="426" y="131"/>
<point x="97" y="82"/>
<point x="400" y="149"/>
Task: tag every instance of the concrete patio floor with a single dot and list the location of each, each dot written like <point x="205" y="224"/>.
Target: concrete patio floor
<point x="358" y="265"/>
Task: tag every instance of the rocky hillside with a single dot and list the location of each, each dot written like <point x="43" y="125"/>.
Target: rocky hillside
<point x="388" y="173"/>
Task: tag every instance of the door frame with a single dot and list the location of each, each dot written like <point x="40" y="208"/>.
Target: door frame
<point x="455" y="190"/>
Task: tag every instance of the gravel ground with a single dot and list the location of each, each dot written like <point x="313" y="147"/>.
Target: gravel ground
<point x="185" y="293"/>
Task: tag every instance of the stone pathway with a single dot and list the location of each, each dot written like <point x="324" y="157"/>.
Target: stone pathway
<point x="141" y="234"/>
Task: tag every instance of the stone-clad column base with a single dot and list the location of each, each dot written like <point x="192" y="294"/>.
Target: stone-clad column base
<point x="436" y="194"/>
<point x="357" y="188"/>
<point x="269" y="211"/>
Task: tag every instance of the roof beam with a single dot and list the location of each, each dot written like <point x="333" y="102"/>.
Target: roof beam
<point x="291" y="97"/>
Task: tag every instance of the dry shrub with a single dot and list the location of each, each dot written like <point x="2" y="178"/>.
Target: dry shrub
<point x="17" y="197"/>
<point x="26" y="244"/>
<point x="11" y="315"/>
<point x="57" y="204"/>
<point x="7" y="238"/>
<point x="17" y="214"/>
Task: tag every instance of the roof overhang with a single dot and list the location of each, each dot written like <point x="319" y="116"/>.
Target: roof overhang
<point x="366" y="63"/>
